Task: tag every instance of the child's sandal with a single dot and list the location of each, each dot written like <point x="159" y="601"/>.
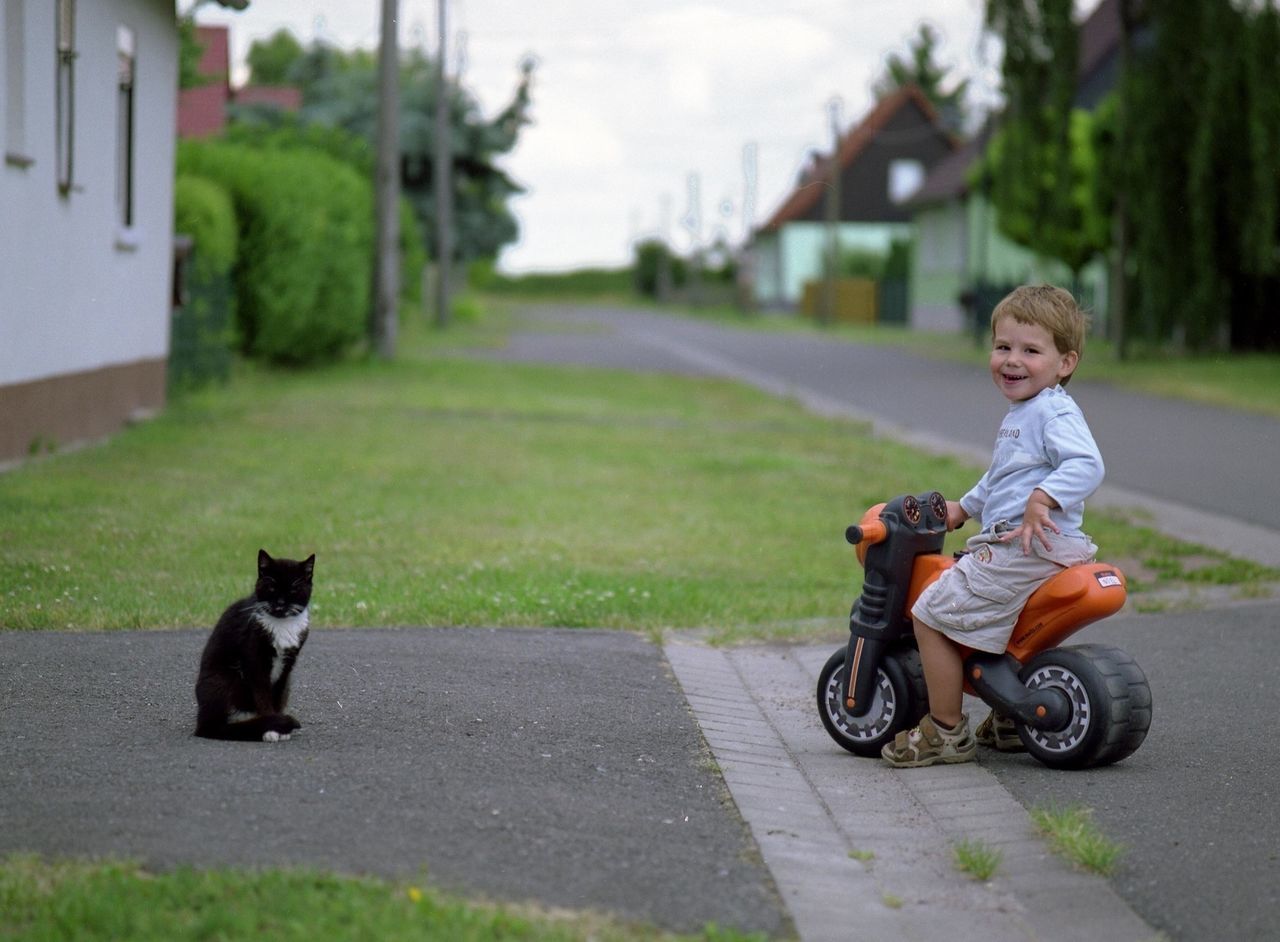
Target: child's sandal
<point x="1000" y="733"/>
<point x="927" y="745"/>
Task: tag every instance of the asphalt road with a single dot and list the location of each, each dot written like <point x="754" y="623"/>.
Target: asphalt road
<point x="562" y="767"/>
<point x="1198" y="805"/>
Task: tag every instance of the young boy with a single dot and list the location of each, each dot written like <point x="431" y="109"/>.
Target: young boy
<point x="1030" y="502"/>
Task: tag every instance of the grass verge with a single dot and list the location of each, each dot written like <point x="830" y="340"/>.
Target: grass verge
<point x="119" y="900"/>
<point x="1073" y="834"/>
<point x="977" y="859"/>
<point x="440" y="490"/>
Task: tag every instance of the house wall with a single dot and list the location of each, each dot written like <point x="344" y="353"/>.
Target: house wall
<point x="1006" y="262"/>
<point x="84" y="300"/>
<point x="800" y="248"/>
<point x="958" y="244"/>
<point x="938" y="268"/>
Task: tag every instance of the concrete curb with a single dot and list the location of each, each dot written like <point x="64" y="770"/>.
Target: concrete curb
<point x="859" y="850"/>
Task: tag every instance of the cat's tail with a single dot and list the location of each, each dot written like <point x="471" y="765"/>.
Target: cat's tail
<point x="268" y="728"/>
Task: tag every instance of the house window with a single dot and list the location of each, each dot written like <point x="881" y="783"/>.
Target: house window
<point x="125" y="47"/>
<point x="66" y="26"/>
<point x="905" y="177"/>
<point x="15" y="120"/>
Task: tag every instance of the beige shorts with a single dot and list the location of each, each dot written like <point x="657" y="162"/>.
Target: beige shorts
<point x="978" y="600"/>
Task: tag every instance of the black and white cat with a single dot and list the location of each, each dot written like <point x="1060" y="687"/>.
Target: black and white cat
<point x="243" y="684"/>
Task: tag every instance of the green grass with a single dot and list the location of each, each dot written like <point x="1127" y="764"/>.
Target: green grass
<point x="977" y="859"/>
<point x="438" y="490"/>
<point x="79" y="900"/>
<point x="1073" y="834"/>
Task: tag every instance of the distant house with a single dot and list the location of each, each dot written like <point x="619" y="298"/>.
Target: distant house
<point x="202" y="111"/>
<point x="957" y="242"/>
<point x="883" y="160"/>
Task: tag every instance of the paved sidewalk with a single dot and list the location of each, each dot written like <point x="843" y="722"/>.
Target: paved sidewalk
<point x="861" y="851"/>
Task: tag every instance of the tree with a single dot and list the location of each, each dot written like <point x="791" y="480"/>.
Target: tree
<point x="1040" y="162"/>
<point x="921" y="70"/>
<point x="1200" y="175"/>
<point x="271" y="60"/>
<point x="339" y="89"/>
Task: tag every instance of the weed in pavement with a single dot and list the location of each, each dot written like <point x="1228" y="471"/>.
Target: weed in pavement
<point x="1073" y="834"/>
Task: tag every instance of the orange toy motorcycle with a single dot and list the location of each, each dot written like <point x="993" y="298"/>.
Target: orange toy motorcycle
<point x="1074" y="707"/>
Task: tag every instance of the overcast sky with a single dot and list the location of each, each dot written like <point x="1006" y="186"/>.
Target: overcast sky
<point x="632" y="101"/>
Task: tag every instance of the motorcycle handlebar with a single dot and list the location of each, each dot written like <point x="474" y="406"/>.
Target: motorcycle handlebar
<point x="869" y="533"/>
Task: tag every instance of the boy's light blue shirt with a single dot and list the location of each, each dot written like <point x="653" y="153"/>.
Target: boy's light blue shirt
<point x="1043" y="442"/>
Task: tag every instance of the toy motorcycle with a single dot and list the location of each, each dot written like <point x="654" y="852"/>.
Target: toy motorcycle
<point x="1074" y="707"/>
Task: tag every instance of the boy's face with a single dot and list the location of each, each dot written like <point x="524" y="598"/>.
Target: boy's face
<point x="1024" y="360"/>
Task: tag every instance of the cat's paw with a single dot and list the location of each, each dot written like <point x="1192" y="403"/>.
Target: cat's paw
<point x="289" y="723"/>
<point x="272" y="736"/>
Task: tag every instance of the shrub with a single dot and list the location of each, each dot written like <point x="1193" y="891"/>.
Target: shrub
<point x="303" y="272"/>
<point x="201" y="337"/>
<point x="203" y="211"/>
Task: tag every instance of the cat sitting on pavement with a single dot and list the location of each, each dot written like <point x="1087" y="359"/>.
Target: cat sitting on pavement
<point x="243" y="685"/>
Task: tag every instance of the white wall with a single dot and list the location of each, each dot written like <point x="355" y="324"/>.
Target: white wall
<point x="77" y="291"/>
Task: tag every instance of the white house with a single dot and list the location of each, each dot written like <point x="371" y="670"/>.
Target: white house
<point x="88" y="98"/>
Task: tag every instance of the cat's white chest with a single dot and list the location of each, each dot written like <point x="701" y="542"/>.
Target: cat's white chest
<point x="286" y="632"/>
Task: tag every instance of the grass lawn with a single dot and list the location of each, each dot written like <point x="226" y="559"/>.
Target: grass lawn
<point x="110" y="901"/>
<point x="440" y="490"/>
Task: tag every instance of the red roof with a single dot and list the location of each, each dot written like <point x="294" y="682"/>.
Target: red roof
<point x="809" y="190"/>
<point x="215" y="59"/>
<point x="284" y="97"/>
<point x="202" y="110"/>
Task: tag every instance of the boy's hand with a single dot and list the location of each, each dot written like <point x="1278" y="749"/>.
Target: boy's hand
<point x="956" y="515"/>
<point x="1035" y="520"/>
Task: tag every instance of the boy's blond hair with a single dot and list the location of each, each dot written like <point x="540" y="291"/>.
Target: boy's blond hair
<point x="1049" y="307"/>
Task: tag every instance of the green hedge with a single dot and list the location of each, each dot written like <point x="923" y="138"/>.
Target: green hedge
<point x="202" y="210"/>
<point x="200" y="340"/>
<point x="305" y="227"/>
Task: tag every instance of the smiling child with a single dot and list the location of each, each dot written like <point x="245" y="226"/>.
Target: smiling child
<point x="1031" y="506"/>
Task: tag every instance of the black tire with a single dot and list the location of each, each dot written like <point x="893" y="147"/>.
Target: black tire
<point x="901" y="699"/>
<point x="1110" y="706"/>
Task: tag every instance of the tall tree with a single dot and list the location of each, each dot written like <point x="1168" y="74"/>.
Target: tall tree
<point x="271" y="60"/>
<point x="339" y="89"/>
<point x="1040" y="163"/>
<point x="1200" y="173"/>
<point x="920" y="68"/>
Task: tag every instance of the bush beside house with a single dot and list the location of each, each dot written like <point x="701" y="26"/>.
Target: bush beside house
<point x="302" y="275"/>
<point x="204" y="304"/>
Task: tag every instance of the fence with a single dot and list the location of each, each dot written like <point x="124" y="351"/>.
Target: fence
<point x="200" y="337"/>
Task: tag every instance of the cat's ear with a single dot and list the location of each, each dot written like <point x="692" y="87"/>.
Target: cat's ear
<point x="309" y="564"/>
<point x="264" y="560"/>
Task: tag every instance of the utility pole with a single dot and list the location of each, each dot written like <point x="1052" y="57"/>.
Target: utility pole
<point x="827" y="312"/>
<point x="747" y="255"/>
<point x="443" y="180"/>
<point x="664" y="286"/>
<point x="693" y="223"/>
<point x="386" y="304"/>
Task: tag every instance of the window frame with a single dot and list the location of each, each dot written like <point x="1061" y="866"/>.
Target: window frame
<point x="65" y="36"/>
<point x="126" y="113"/>
<point x="15" y="83"/>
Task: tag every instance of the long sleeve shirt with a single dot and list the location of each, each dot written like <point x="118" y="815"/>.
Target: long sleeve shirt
<point x="1043" y="442"/>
